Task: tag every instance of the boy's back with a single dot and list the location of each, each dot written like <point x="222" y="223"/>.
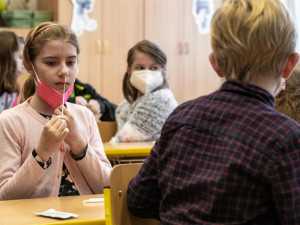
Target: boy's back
<point x="225" y="157"/>
<point x="229" y="157"/>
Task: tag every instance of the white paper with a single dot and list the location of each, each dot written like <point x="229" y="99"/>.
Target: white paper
<point x="93" y="200"/>
<point x="56" y="214"/>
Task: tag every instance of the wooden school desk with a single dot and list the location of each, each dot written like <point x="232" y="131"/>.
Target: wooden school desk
<point x="22" y="211"/>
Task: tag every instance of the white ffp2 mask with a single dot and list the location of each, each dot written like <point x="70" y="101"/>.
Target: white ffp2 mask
<point x="146" y="80"/>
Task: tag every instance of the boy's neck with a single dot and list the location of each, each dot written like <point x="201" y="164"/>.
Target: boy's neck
<point x="271" y="86"/>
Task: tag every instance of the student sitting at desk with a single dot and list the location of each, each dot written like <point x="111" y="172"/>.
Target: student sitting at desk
<point x="50" y="147"/>
<point x="230" y="157"/>
<point x="148" y="99"/>
<point x="84" y="94"/>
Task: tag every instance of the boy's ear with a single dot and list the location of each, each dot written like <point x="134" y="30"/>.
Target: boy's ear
<point x="215" y="65"/>
<point x="290" y="64"/>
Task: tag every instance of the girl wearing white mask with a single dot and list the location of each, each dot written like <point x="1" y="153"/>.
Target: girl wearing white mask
<point x="148" y="99"/>
<point x="50" y="147"/>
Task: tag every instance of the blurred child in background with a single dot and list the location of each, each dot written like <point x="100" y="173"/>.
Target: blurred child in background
<point x="84" y="94"/>
<point x="11" y="66"/>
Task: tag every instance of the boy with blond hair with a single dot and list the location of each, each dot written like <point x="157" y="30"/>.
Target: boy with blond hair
<point x="230" y="157"/>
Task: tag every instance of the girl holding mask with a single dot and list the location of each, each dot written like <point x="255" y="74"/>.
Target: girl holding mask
<point x="50" y="147"/>
<point x="148" y="99"/>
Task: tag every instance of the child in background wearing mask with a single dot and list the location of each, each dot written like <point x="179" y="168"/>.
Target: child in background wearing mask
<point x="11" y="67"/>
<point x="148" y="99"/>
<point x="47" y="149"/>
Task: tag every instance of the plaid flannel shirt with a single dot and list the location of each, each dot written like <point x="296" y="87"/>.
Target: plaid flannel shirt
<point x="225" y="158"/>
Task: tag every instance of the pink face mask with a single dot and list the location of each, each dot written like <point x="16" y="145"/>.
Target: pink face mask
<point x="51" y="96"/>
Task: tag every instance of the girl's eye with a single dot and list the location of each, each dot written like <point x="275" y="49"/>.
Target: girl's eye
<point x="71" y="63"/>
<point x="50" y="63"/>
<point x="139" y="68"/>
<point x="154" y="68"/>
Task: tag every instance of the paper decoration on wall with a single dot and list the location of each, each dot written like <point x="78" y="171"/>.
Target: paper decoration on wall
<point x="203" y="11"/>
<point x="80" y="19"/>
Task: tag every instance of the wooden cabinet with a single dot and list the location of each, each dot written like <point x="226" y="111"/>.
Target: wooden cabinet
<point x="122" y="27"/>
<point x="171" y="25"/>
<point x="163" y="25"/>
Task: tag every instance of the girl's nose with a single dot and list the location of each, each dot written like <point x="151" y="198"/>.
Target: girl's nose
<point x="64" y="70"/>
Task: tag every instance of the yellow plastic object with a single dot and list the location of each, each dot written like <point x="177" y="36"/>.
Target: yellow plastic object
<point x="127" y="152"/>
<point x="128" y="149"/>
<point x="107" y="206"/>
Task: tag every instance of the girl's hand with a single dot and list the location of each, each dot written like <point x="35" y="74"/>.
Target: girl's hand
<point x="80" y="100"/>
<point x="54" y="132"/>
<point x="73" y="139"/>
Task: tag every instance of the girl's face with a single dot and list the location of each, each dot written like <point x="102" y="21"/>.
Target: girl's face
<point x="143" y="61"/>
<point x="56" y="60"/>
<point x="18" y="55"/>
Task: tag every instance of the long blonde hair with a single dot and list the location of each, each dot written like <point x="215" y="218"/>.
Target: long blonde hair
<point x="36" y="39"/>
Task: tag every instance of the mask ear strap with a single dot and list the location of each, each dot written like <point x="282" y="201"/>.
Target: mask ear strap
<point x="35" y="73"/>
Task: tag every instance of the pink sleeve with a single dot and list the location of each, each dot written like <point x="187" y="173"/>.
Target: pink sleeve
<point x="16" y="101"/>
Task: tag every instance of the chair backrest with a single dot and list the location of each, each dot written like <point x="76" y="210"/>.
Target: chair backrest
<point x="119" y="180"/>
<point x="107" y="129"/>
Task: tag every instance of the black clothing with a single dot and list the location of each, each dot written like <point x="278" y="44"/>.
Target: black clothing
<point x="88" y="93"/>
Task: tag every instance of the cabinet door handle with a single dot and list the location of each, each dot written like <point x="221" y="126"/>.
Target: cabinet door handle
<point x="180" y="48"/>
<point x="99" y="46"/>
<point x="105" y="46"/>
<point x="187" y="48"/>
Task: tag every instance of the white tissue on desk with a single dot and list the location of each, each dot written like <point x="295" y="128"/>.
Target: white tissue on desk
<point x="93" y="200"/>
<point x="56" y="214"/>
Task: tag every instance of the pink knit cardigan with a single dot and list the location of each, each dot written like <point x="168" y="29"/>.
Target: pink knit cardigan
<point x="22" y="177"/>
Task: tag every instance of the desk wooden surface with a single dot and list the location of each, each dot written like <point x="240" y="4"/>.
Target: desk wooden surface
<point x="128" y="149"/>
<point x="22" y="211"/>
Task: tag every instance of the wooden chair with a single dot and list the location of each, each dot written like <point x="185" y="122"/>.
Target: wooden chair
<point x="116" y="211"/>
<point x="107" y="130"/>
